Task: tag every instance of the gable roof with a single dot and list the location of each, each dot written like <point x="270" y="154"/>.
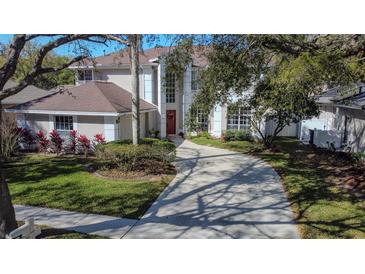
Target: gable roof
<point x="352" y="96"/>
<point x="27" y="94"/>
<point x="145" y="58"/>
<point x="94" y="96"/>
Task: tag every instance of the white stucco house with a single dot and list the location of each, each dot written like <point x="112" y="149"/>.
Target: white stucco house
<point x="100" y="102"/>
<point x="341" y="122"/>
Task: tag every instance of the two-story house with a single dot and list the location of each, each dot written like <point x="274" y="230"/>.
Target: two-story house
<point x="101" y="100"/>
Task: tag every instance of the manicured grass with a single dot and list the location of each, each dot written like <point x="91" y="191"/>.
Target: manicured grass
<point x="322" y="209"/>
<point x="63" y="182"/>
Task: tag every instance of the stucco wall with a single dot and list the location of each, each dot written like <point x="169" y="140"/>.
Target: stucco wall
<point x="90" y="125"/>
<point x="121" y="77"/>
<point x="37" y="122"/>
<point x="356" y="128"/>
<point x="125" y="126"/>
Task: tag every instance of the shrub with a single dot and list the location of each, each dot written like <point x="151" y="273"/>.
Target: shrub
<point x="56" y="141"/>
<point x="73" y="141"/>
<point x="145" y="141"/>
<point x="170" y="146"/>
<point x="236" y="135"/>
<point x="129" y="157"/>
<point x="85" y="144"/>
<point x="358" y="158"/>
<point x="230" y="135"/>
<point x="43" y="142"/>
<point x="153" y="133"/>
<point x="204" y="134"/>
<point x="242" y="135"/>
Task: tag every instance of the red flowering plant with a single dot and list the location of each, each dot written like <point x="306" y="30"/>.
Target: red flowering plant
<point x="99" y="139"/>
<point x="26" y="137"/>
<point x="43" y="142"/>
<point x="73" y="141"/>
<point x="56" y="141"/>
<point x="84" y="143"/>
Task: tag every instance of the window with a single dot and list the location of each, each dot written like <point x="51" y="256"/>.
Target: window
<point x="194" y="80"/>
<point x="85" y="75"/>
<point x="170" y="87"/>
<point x="240" y="119"/>
<point x="63" y="123"/>
<point x="202" y="121"/>
<point x="347" y="122"/>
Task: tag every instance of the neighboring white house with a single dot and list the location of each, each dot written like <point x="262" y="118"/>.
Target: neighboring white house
<point x="168" y="100"/>
<point x="341" y="122"/>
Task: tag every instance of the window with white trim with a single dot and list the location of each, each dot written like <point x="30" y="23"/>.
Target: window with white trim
<point x="240" y="119"/>
<point x="170" y="87"/>
<point x="63" y="123"/>
<point x="202" y="120"/>
<point x="194" y="80"/>
<point x="85" y="75"/>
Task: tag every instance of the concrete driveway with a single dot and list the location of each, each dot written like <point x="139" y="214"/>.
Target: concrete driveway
<point x="218" y="193"/>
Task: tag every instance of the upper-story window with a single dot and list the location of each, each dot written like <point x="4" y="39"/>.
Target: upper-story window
<point x="170" y="87"/>
<point x="85" y="75"/>
<point x="239" y="119"/>
<point x="195" y="80"/>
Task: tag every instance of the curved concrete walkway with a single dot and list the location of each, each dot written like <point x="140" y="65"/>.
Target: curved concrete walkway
<point x="218" y="194"/>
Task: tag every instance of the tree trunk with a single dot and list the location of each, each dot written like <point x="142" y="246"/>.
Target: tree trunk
<point x="7" y="213"/>
<point x="134" y="55"/>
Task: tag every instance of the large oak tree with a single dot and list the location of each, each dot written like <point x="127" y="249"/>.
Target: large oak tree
<point x="39" y="68"/>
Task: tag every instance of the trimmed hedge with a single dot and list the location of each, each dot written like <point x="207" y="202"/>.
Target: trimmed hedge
<point x="237" y="135"/>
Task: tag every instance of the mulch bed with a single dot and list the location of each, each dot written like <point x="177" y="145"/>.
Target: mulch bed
<point x="150" y="171"/>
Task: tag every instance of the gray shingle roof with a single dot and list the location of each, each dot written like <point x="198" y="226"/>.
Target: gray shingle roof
<point x="94" y="96"/>
<point x="145" y="57"/>
<point x="29" y="93"/>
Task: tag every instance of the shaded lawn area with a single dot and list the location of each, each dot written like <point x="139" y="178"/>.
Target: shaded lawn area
<point x="62" y="182"/>
<point x="322" y="209"/>
<point x="56" y="233"/>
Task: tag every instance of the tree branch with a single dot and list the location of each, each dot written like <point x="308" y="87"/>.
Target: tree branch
<point x="14" y="90"/>
<point x="9" y="67"/>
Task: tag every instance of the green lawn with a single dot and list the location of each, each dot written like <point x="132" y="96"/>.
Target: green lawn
<point x="322" y="210"/>
<point x="63" y="182"/>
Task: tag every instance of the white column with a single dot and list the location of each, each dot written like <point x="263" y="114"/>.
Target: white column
<point x="111" y="129"/>
<point x="187" y="96"/>
<point x="161" y="98"/>
<point x="217" y="122"/>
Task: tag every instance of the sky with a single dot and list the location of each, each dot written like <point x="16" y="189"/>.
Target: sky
<point x="96" y="49"/>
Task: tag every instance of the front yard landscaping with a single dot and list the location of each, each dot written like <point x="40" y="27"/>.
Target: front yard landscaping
<point x="64" y="182"/>
<point x="325" y="189"/>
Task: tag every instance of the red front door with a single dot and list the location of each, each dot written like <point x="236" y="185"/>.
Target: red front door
<point x="171" y="121"/>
